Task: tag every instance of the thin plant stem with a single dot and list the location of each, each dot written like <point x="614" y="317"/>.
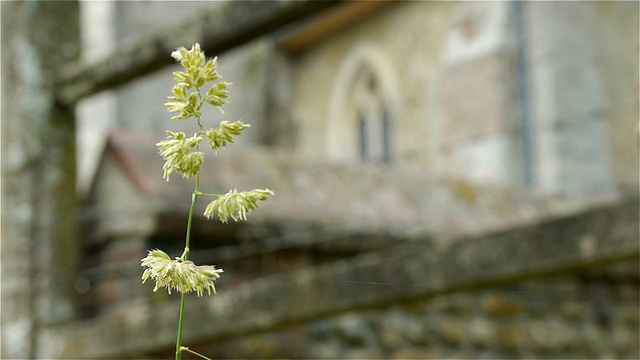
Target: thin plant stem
<point x="184" y="257"/>
<point x="182" y="155"/>
<point x="195" y="353"/>
<point x="194" y="198"/>
<point x="185" y="253"/>
<point x="179" y="346"/>
<point x="209" y="195"/>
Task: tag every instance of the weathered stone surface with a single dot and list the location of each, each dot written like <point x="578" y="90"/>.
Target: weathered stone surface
<point x="508" y="256"/>
<point x="574" y="310"/>
<point x="583" y="120"/>
<point x="501" y="306"/>
<point x="225" y="27"/>
<point x="510" y="338"/>
<point x="482" y="332"/>
<point x="478" y="100"/>
<point x="129" y="197"/>
<point x="355" y="332"/>
<point x="453" y="333"/>
<point x="413" y="354"/>
<point x="550" y="247"/>
<point x="39" y="239"/>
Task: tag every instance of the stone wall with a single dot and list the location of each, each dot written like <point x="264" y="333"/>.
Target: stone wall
<point x="588" y="315"/>
<point x="449" y="74"/>
<point x="460" y="77"/>
<point x="447" y="70"/>
<point x="388" y="40"/>
<point x="556" y="318"/>
<point x="465" y="299"/>
<point x="39" y="217"/>
<point x="585" y="109"/>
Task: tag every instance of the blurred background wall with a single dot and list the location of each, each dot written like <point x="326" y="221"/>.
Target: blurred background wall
<point x="377" y="123"/>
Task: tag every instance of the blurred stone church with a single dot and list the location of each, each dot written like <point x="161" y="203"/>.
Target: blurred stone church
<point x="378" y="125"/>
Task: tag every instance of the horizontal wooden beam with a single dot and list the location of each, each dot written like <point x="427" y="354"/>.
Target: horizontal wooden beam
<point x="329" y="24"/>
<point x="230" y="25"/>
<point x="417" y="270"/>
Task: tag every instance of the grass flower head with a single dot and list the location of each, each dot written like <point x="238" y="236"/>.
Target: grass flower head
<point x="183" y="276"/>
<point x="225" y="133"/>
<point x="236" y="204"/>
<point x="181" y="155"/>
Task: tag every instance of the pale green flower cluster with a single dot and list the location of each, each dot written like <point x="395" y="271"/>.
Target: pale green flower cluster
<point x="220" y="136"/>
<point x="197" y="73"/>
<point x="236" y="204"/>
<point x="182" y="155"/>
<point x="177" y="274"/>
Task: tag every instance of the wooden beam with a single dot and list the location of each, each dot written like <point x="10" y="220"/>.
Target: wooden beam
<point x="232" y="24"/>
<point x="420" y="270"/>
<point x="331" y="23"/>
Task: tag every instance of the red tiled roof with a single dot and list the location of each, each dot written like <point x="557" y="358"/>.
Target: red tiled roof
<point x="358" y="196"/>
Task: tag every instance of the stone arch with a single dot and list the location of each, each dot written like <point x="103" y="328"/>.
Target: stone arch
<point x="364" y="73"/>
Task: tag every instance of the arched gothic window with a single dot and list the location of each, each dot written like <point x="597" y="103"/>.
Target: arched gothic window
<point x="372" y="118"/>
<point x="363" y="109"/>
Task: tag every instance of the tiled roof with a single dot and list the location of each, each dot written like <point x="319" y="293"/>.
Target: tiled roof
<point x="356" y="197"/>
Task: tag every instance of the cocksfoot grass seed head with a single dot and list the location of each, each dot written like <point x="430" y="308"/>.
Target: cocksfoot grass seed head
<point x="217" y="94"/>
<point x="188" y="106"/>
<point x="180" y="154"/>
<point x="192" y="60"/>
<point x="183" y="276"/>
<point x="196" y="74"/>
<point x="225" y="133"/>
<point x="236" y="204"/>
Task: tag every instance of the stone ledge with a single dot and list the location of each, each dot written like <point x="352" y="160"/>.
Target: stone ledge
<point x="228" y="26"/>
<point x="593" y="237"/>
